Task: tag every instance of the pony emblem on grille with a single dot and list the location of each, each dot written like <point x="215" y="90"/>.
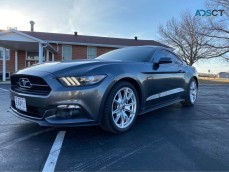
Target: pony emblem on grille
<point x="25" y="83"/>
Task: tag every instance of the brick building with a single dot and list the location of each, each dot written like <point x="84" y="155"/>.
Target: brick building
<point x="20" y="49"/>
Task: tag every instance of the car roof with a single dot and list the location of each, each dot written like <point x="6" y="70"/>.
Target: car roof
<point x="151" y="46"/>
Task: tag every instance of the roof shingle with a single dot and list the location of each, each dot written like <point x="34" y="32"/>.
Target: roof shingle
<point x="58" y="37"/>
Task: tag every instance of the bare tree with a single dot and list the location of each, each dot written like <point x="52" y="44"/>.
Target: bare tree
<point x="183" y="36"/>
<point x="195" y="38"/>
<point x="218" y="28"/>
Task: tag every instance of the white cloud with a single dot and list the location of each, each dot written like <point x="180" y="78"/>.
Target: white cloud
<point x="94" y="17"/>
<point x="86" y="17"/>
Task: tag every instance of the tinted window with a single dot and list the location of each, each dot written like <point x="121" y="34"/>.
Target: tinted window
<point x="175" y="58"/>
<point x="165" y="53"/>
<point x="139" y="54"/>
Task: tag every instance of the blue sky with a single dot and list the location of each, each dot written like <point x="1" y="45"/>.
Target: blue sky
<point x="114" y="18"/>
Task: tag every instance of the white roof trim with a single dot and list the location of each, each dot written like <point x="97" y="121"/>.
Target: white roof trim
<point x="87" y="44"/>
<point x="23" y="34"/>
<point x="50" y="47"/>
<point x="96" y="45"/>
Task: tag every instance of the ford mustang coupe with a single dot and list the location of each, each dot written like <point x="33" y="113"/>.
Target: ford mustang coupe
<point x="110" y="91"/>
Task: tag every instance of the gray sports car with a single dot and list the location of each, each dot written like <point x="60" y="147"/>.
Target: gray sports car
<point x="110" y="91"/>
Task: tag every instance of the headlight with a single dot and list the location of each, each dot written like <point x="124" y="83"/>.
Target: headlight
<point x="81" y="81"/>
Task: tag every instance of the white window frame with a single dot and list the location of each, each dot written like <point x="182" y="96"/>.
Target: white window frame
<point x="7" y="53"/>
<point x="65" y="45"/>
<point x="89" y="56"/>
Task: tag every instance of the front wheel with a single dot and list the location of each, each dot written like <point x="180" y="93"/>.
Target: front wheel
<point x="121" y="108"/>
<point x="191" y="94"/>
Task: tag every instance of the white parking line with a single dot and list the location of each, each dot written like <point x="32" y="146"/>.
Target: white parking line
<point x="2" y="89"/>
<point x="54" y="153"/>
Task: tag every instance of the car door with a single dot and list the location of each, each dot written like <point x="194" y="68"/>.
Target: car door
<point x="166" y="79"/>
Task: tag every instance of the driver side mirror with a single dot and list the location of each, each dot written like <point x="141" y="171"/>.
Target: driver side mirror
<point x="165" y="60"/>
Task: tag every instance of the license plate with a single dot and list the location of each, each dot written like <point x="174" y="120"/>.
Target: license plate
<point x="20" y="103"/>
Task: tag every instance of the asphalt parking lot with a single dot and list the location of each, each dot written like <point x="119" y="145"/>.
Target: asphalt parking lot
<point x="172" y="138"/>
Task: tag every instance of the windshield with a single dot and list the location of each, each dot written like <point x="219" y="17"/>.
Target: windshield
<point x="138" y="54"/>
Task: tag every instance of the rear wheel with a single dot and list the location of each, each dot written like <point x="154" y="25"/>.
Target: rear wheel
<point x="121" y="108"/>
<point x="191" y="95"/>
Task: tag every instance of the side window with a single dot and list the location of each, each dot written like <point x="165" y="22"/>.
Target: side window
<point x="160" y="54"/>
<point x="176" y="59"/>
<point x="165" y="53"/>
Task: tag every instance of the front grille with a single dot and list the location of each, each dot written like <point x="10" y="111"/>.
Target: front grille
<point x="38" y="85"/>
<point x="31" y="111"/>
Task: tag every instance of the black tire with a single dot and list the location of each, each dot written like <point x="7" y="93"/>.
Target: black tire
<point x="108" y="123"/>
<point x="188" y="101"/>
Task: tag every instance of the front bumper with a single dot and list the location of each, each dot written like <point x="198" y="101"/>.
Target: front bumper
<point x="43" y="110"/>
<point x="54" y="120"/>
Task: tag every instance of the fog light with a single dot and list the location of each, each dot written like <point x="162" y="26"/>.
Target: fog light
<point x="68" y="111"/>
<point x="73" y="113"/>
<point x="68" y="107"/>
<point x="73" y="107"/>
<point x="62" y="106"/>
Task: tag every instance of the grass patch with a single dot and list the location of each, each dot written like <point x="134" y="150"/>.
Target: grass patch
<point x="204" y="80"/>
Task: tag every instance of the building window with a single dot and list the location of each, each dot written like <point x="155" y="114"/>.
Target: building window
<point x="7" y="54"/>
<point x="66" y="52"/>
<point x="31" y="58"/>
<point x="91" y="52"/>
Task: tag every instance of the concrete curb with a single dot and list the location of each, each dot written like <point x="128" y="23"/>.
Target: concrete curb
<point x="214" y="84"/>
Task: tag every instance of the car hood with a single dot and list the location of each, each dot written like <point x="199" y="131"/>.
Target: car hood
<point x="63" y="68"/>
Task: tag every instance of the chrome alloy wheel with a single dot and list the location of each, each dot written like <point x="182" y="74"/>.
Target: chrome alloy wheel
<point x="124" y="107"/>
<point x="193" y="92"/>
